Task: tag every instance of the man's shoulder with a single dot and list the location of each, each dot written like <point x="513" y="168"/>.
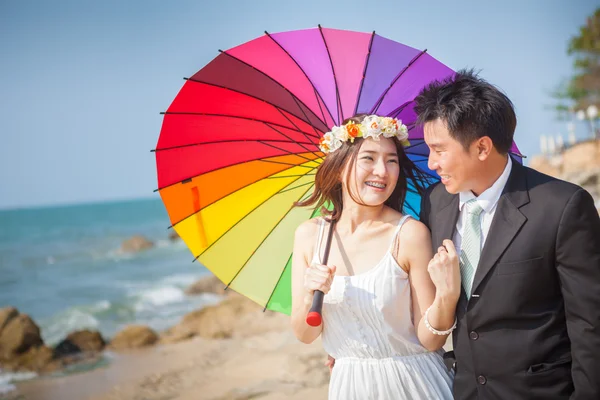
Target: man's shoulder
<point x="437" y="192"/>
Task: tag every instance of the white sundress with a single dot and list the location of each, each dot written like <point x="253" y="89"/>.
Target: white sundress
<point x="368" y="329"/>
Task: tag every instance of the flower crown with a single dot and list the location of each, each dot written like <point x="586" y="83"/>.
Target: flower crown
<point x="372" y="126"/>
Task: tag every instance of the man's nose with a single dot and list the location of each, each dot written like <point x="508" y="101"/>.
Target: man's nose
<point x="432" y="162"/>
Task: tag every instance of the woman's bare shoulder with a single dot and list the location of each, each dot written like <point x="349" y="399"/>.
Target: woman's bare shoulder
<point x="308" y="229"/>
<point x="415" y="232"/>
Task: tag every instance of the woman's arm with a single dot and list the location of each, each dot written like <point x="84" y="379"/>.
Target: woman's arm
<point x="435" y="282"/>
<point x="305" y="280"/>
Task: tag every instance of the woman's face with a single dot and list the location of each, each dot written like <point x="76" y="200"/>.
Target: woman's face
<point x="373" y="178"/>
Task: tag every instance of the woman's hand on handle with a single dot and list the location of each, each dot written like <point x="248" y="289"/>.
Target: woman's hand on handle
<point x="317" y="277"/>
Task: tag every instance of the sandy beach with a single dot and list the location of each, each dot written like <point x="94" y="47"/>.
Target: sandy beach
<point x="262" y="360"/>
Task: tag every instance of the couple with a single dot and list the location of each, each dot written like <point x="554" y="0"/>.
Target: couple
<point x="504" y="258"/>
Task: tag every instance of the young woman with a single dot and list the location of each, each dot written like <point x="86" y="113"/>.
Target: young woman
<point x="389" y="303"/>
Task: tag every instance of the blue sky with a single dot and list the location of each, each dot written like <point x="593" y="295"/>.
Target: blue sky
<point x="82" y="82"/>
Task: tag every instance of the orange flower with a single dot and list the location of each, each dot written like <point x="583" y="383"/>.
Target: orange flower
<point x="323" y="144"/>
<point x="352" y="129"/>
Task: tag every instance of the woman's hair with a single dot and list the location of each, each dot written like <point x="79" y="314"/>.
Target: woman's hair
<point x="328" y="184"/>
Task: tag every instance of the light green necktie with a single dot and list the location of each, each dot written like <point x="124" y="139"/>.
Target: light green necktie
<point x="471" y="245"/>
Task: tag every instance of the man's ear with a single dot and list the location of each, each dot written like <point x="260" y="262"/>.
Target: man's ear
<point x="484" y="147"/>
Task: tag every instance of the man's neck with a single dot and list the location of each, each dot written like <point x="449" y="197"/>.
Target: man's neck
<point x="490" y="173"/>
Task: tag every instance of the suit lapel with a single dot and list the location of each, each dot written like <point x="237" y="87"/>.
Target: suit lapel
<point x="507" y="222"/>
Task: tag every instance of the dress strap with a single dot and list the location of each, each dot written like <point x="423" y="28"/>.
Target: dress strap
<point x="317" y="253"/>
<point x="400" y="223"/>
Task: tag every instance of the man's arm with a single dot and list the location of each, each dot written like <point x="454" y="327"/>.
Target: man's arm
<point x="578" y="264"/>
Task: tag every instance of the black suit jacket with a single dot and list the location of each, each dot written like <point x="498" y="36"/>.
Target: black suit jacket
<point x="531" y="329"/>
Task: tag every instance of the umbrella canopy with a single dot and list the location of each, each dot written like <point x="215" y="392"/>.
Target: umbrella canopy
<point x="239" y="143"/>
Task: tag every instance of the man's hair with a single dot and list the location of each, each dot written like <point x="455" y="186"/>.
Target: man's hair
<point x="471" y="108"/>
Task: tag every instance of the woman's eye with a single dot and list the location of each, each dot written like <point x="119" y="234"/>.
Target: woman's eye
<point x="367" y="158"/>
<point x="393" y="160"/>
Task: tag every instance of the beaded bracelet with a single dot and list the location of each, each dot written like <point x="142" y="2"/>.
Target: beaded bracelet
<point x="435" y="331"/>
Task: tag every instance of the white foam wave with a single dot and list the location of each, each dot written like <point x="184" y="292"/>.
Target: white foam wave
<point x="182" y="280"/>
<point x="7" y="378"/>
<point x="159" y="296"/>
<point x="73" y="319"/>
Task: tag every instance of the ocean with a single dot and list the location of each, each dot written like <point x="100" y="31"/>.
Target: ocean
<point x="63" y="267"/>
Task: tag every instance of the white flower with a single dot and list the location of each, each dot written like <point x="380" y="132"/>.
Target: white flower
<point x="340" y="133"/>
<point x="371" y="127"/>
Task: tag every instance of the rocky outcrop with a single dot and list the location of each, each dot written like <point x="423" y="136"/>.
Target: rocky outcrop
<point x="212" y="322"/>
<point x="579" y="164"/>
<point x="80" y="341"/>
<point x="209" y="284"/>
<point x="136" y="244"/>
<point x="19" y="334"/>
<point x="133" y="337"/>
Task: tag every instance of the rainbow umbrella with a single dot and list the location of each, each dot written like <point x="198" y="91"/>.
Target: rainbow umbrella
<point x="239" y="143"/>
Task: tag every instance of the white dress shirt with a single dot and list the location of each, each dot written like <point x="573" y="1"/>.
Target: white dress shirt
<point x="488" y="201"/>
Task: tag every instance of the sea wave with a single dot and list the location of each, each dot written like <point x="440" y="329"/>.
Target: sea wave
<point x="7" y="379"/>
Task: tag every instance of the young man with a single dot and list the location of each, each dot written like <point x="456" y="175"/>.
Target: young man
<point x="529" y="245"/>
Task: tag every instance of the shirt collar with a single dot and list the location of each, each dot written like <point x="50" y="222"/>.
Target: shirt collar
<point x="489" y="198"/>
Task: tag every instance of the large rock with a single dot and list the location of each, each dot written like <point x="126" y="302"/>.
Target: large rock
<point x="209" y="284"/>
<point x="546" y="166"/>
<point x="214" y="322"/>
<point x="583" y="156"/>
<point x="39" y="359"/>
<point x="132" y="337"/>
<point x="80" y="341"/>
<point x="6" y="314"/>
<point x="136" y="244"/>
<point x="19" y="334"/>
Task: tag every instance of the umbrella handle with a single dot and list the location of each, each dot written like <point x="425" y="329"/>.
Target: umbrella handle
<point x="313" y="318"/>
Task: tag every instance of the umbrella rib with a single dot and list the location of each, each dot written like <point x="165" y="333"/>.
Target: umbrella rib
<point x="284" y="163"/>
<point x="234" y="225"/>
<point x="399" y="109"/>
<point x="317" y="94"/>
<point x="362" y="81"/>
<point x="189" y="179"/>
<point x="290" y="176"/>
<point x="287" y="151"/>
<point x="261" y="243"/>
<point x="296" y="187"/>
<point x="281" y="133"/>
<point x="231" y="116"/>
<point x="382" y="97"/>
<point x="301" y="109"/>
<point x="337" y="91"/>
<point x="182" y="146"/>
<point x="282" y="272"/>
<point x="256" y="98"/>
<point x="277" y="284"/>
<point x="286" y="89"/>
<point x="237" y="190"/>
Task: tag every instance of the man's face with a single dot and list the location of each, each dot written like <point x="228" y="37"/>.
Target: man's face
<point x="457" y="167"/>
